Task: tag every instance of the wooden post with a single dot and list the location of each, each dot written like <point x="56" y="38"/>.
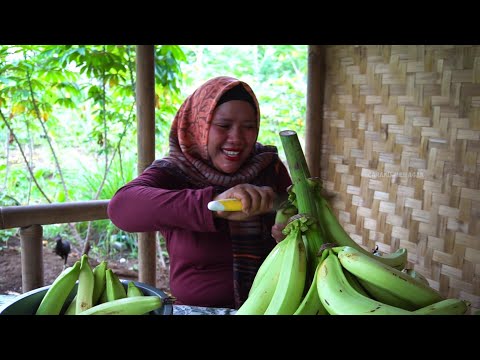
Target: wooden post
<point x="315" y="98"/>
<point x="147" y="255"/>
<point x="32" y="257"/>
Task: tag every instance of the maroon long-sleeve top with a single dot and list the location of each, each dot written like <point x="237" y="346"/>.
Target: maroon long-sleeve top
<point x="199" y="246"/>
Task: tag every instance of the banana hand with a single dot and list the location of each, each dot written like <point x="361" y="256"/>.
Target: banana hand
<point x="340" y="298"/>
<point x="58" y="292"/>
<point x="375" y="272"/>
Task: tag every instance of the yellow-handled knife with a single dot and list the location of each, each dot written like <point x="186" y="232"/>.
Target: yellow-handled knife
<point x="236" y="205"/>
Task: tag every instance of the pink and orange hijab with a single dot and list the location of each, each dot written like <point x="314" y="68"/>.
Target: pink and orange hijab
<point x="189" y="137"/>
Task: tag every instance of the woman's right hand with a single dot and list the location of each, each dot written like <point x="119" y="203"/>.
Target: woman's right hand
<point x="256" y="200"/>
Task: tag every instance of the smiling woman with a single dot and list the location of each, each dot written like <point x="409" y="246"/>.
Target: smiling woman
<point x="214" y="154"/>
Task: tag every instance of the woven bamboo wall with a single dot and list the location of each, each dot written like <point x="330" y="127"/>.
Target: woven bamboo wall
<point x="401" y="149"/>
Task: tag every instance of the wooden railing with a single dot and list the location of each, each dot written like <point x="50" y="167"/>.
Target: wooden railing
<point x="30" y="219"/>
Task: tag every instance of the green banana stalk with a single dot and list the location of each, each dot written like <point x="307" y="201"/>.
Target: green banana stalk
<point x="445" y="307"/>
<point x="114" y="287"/>
<point x="135" y="305"/>
<point x="85" y="286"/>
<point x="291" y="282"/>
<point x="337" y="234"/>
<point x="265" y="267"/>
<point x="340" y="298"/>
<point x="58" y="292"/>
<point x="99" y="276"/>
<point x="370" y="270"/>
<point x="263" y="288"/>
<point x="133" y="290"/>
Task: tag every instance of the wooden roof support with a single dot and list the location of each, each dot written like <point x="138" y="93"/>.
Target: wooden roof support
<point x="145" y="99"/>
<point x="315" y="99"/>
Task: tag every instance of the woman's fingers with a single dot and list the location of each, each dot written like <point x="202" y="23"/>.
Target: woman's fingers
<point x="255" y="199"/>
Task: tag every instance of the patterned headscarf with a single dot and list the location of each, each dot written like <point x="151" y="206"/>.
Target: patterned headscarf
<point x="188" y="153"/>
<point x="189" y="136"/>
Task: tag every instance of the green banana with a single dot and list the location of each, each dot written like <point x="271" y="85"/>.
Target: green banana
<point x="114" y="287"/>
<point x="397" y="259"/>
<point x="337" y="234"/>
<point x="291" y="282"/>
<point x="266" y="264"/>
<point x="85" y="286"/>
<point x="58" y="292"/>
<point x="340" y="298"/>
<point x="385" y="296"/>
<point x="72" y="308"/>
<point x="135" y="305"/>
<point x="259" y="298"/>
<point x="445" y="307"/>
<point x="370" y="270"/>
<point x="133" y="290"/>
<point x="355" y="283"/>
<point x="417" y="276"/>
<point x="103" y="297"/>
<point x="99" y="276"/>
<point x="311" y="304"/>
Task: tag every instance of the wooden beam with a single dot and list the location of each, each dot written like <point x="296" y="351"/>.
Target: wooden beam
<point x="315" y="98"/>
<point x="58" y="213"/>
<point x="145" y="99"/>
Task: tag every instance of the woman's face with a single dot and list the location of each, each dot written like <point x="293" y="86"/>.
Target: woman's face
<point x="232" y="135"/>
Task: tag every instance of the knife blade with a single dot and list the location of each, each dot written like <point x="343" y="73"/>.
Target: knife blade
<point x="236" y="204"/>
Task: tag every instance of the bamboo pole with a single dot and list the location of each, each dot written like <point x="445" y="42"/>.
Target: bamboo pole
<point x="145" y="97"/>
<point x="315" y="99"/>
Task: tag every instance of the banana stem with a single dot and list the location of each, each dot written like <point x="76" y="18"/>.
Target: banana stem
<point x="305" y="197"/>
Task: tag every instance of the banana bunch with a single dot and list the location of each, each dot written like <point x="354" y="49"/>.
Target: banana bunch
<point x="383" y="290"/>
<point x="99" y="292"/>
<point x="280" y="281"/>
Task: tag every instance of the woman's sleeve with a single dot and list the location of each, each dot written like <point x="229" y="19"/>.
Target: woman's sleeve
<point x="149" y="203"/>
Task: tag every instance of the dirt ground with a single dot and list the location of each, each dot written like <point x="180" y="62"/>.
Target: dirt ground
<point x="11" y="266"/>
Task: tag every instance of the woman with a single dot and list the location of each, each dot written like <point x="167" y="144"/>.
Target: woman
<point x="214" y="154"/>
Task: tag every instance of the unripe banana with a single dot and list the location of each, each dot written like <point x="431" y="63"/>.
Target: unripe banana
<point x="135" y="305"/>
<point x="311" y="304"/>
<point x="375" y="272"/>
<point x="58" y="292"/>
<point x="385" y="296"/>
<point x="133" y="290"/>
<point x="85" y="286"/>
<point x="340" y="298"/>
<point x="416" y="275"/>
<point x="355" y="283"/>
<point x="289" y="290"/>
<point x="445" y="307"/>
<point x="337" y="234"/>
<point x="100" y="281"/>
<point x="114" y="286"/>
<point x="259" y="298"/>
<point x="72" y="308"/>
<point x="266" y="265"/>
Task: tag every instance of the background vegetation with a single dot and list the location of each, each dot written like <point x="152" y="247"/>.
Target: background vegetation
<point x="68" y="124"/>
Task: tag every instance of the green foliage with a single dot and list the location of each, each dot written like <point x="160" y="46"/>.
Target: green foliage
<point x="277" y="75"/>
<point x="75" y="104"/>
